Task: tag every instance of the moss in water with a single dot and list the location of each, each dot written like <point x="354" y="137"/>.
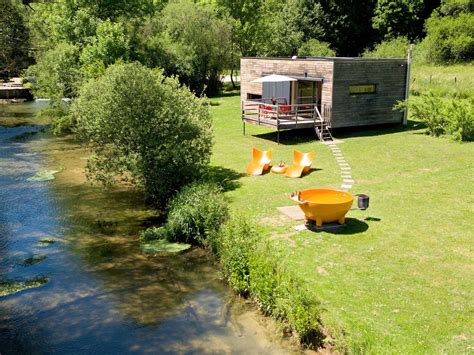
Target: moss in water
<point x="9" y="287"/>
<point x="26" y="135"/>
<point x="32" y="260"/>
<point x="46" y="242"/>
<point x="162" y="246"/>
<point x="43" y="175"/>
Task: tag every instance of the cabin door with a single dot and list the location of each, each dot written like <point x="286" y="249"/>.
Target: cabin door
<point x="309" y="92"/>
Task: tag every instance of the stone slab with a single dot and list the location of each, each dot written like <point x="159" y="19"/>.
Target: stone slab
<point x="294" y="212"/>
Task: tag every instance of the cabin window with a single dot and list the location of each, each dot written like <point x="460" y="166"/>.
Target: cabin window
<point x="253" y="96"/>
<point x="362" y="89"/>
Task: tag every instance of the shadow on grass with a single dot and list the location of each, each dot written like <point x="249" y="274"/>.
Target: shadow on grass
<point x="224" y="177"/>
<point x="290" y="137"/>
<point x="352" y="226"/>
<point x="376" y="130"/>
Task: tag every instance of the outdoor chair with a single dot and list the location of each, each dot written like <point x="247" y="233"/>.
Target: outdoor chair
<point x="260" y="161"/>
<point x="301" y="164"/>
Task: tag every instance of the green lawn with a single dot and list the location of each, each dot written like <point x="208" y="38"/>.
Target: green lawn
<point x="401" y="284"/>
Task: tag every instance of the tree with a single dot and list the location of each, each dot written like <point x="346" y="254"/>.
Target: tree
<point x="394" y="18"/>
<point x="344" y="24"/>
<point x="56" y="73"/>
<point x="144" y="128"/>
<point x="395" y="48"/>
<point x="248" y="31"/>
<point x="14" y="40"/>
<point x="450" y="37"/>
<point x="108" y="45"/>
<point x="315" y="48"/>
<point x="189" y="40"/>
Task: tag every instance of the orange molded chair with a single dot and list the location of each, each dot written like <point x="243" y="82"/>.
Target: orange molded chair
<point x="260" y="161"/>
<point x="301" y="164"/>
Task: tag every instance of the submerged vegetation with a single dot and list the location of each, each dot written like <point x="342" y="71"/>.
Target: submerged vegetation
<point x="9" y="287"/>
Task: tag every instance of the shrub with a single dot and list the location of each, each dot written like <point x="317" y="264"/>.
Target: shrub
<point x="453" y="117"/>
<point x="153" y="233"/>
<point x="449" y="33"/>
<point x="145" y="129"/>
<point x="237" y="242"/>
<point x="395" y="48"/>
<point x="461" y="119"/>
<point x="196" y="214"/>
<point x="316" y="48"/>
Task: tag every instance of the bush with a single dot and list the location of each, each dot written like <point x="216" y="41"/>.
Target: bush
<point x="395" y="48"/>
<point x="196" y="215"/>
<point x="253" y="267"/>
<point x="237" y="242"/>
<point x="449" y="33"/>
<point x="153" y="233"/>
<point x="316" y="48"/>
<point x="145" y="129"/>
<point x="453" y="117"/>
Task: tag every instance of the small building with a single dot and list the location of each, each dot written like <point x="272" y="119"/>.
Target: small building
<point x="322" y="92"/>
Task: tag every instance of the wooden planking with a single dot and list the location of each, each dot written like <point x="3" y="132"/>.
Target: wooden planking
<point x="253" y="68"/>
<point x="368" y="109"/>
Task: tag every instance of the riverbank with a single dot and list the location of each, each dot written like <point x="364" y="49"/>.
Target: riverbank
<point x="103" y="293"/>
<point x="397" y="281"/>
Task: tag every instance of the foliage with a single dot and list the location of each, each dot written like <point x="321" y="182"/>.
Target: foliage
<point x="145" y="129"/>
<point x="399" y="18"/>
<point x="152" y="233"/>
<point x="56" y="73"/>
<point x="237" y="242"/>
<point x="394" y="48"/>
<point x="316" y="48"/>
<point x="14" y="39"/>
<point x="449" y="33"/>
<point x="253" y="267"/>
<point x="109" y="45"/>
<point x="196" y="214"/>
<point x="453" y="117"/>
<point x="196" y="44"/>
<point x="345" y="25"/>
<point x="246" y="21"/>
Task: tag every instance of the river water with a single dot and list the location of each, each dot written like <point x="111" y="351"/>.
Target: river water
<point x="103" y="295"/>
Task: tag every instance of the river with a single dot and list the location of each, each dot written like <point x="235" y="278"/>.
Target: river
<point x="103" y="294"/>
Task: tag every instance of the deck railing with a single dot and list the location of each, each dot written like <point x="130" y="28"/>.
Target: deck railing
<point x="280" y="115"/>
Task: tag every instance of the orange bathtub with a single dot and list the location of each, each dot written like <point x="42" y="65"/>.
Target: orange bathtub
<point x="324" y="205"/>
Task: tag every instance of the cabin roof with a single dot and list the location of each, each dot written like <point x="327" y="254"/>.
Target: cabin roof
<point x="331" y="59"/>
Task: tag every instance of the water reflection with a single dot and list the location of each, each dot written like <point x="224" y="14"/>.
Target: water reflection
<point x="104" y="294"/>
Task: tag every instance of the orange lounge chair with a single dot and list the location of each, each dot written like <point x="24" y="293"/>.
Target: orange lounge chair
<point x="260" y="161"/>
<point x="301" y="164"/>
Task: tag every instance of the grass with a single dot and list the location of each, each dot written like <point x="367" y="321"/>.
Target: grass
<point x="447" y="81"/>
<point x="400" y="282"/>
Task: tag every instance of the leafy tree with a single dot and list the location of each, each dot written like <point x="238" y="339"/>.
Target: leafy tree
<point x="144" y="128"/>
<point x="14" y="39"/>
<point x="280" y="27"/>
<point x="315" y="48"/>
<point x="450" y="37"/>
<point x="190" y="41"/>
<point x="395" y="48"/>
<point x="56" y="73"/>
<point x="108" y="45"/>
<point x="246" y="21"/>
<point x="345" y="25"/>
<point x="395" y="18"/>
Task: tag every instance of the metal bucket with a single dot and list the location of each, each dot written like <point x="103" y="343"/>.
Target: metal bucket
<point x="362" y="201"/>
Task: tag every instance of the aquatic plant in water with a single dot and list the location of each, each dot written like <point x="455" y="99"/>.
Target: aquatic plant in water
<point x="163" y="246"/>
<point x="43" y="175"/>
<point x="9" y="287"/>
<point x="32" y="260"/>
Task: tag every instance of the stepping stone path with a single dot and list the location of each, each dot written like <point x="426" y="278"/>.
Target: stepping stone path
<point x="346" y="175"/>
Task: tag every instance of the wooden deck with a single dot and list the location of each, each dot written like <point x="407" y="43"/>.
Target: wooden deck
<point x="285" y="117"/>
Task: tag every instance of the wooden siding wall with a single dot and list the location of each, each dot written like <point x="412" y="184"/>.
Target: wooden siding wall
<point x="368" y="109"/>
<point x="253" y="68"/>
